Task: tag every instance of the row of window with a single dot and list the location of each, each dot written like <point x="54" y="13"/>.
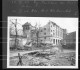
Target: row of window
<point x="54" y="33"/>
<point x="45" y="29"/>
<point x="27" y="28"/>
<point x="51" y="30"/>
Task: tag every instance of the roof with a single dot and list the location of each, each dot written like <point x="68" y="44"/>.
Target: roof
<point x="54" y="24"/>
<point x="27" y="23"/>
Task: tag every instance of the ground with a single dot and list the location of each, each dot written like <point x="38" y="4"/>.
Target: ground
<point x="55" y="59"/>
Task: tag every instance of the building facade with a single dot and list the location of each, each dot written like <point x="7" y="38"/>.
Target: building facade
<point x="29" y="31"/>
<point x="50" y="33"/>
<point x="70" y="38"/>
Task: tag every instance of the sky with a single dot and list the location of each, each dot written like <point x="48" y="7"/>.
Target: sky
<point x="71" y="24"/>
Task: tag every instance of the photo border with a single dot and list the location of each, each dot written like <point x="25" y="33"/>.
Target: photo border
<point x="66" y="67"/>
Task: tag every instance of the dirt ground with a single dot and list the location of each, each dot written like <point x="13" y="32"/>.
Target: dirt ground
<point x="64" y="58"/>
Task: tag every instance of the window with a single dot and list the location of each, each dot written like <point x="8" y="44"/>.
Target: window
<point x="27" y="27"/>
<point x="41" y="30"/>
<point x="51" y="25"/>
<point x="41" y="40"/>
<point x="44" y="33"/>
<point x="44" y="28"/>
<point x="51" y="30"/>
<point x="44" y="37"/>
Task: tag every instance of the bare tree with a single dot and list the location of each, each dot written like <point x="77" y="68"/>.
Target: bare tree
<point x="16" y="31"/>
<point x="37" y="30"/>
<point x="11" y="30"/>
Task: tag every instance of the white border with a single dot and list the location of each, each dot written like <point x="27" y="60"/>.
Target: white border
<point x="8" y="53"/>
<point x="8" y="43"/>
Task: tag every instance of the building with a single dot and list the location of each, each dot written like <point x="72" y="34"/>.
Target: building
<point x="70" y="38"/>
<point x="64" y="36"/>
<point x="64" y="33"/>
<point x="29" y="31"/>
<point x="50" y="33"/>
<point x="70" y="41"/>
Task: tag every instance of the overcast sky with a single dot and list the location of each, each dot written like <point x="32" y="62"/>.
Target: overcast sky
<point x="71" y="24"/>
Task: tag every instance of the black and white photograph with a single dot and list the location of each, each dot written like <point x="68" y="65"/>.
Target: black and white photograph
<point x="40" y="34"/>
<point x="42" y="42"/>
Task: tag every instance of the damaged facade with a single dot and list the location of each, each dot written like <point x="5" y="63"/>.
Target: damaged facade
<point x="50" y="33"/>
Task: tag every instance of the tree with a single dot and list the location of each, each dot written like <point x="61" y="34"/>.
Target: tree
<point x="37" y="30"/>
<point x="15" y="30"/>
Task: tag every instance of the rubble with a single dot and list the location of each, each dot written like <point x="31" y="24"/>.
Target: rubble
<point x="46" y="58"/>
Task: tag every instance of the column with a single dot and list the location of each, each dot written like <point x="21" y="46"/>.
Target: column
<point x="59" y="32"/>
<point x="62" y="33"/>
<point x="56" y="31"/>
<point x="55" y="41"/>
